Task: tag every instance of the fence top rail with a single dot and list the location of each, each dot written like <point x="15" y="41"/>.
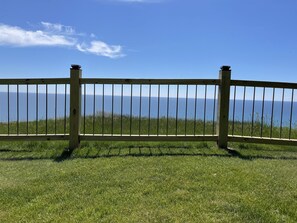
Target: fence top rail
<point x="247" y="83"/>
<point x="150" y="81"/>
<point x="34" y="81"/>
<point x="266" y="84"/>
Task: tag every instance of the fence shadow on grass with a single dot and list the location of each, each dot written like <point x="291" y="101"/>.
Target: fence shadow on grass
<point x="115" y="150"/>
<point x="252" y="155"/>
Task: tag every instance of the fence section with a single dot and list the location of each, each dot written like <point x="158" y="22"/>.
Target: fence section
<point x="263" y="112"/>
<point x="148" y="109"/>
<point x="79" y="108"/>
<point x="34" y="109"/>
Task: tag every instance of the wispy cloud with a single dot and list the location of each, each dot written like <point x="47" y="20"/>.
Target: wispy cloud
<point x="101" y="49"/>
<point x="56" y="35"/>
<point x="59" y="28"/>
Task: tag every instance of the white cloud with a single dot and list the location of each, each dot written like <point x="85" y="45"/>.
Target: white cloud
<point x="56" y="35"/>
<point x="15" y="36"/>
<point x="101" y="49"/>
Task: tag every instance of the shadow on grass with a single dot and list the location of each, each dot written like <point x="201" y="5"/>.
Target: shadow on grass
<point x="112" y="151"/>
<point x="270" y="154"/>
<point x="66" y="154"/>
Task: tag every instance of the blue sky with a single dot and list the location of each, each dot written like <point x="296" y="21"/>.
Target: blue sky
<point x="149" y="39"/>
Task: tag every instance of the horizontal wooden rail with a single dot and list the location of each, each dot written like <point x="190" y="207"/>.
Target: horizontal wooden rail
<point x="266" y="84"/>
<point x="150" y="81"/>
<point x="263" y="140"/>
<point x="147" y="138"/>
<point x="34" y="81"/>
<point x="33" y="137"/>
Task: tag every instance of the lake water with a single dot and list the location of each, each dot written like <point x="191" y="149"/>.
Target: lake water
<point x="181" y="113"/>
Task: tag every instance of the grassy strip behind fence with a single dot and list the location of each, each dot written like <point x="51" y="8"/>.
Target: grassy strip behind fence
<point x="116" y="125"/>
<point x="162" y="126"/>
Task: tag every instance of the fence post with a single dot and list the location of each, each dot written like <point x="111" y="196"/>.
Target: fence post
<point x="75" y="103"/>
<point x="223" y="106"/>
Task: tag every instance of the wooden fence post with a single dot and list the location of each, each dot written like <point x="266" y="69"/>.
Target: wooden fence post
<point x="75" y="103"/>
<point x="223" y="107"/>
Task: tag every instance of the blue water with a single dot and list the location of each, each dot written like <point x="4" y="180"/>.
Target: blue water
<point x="182" y="112"/>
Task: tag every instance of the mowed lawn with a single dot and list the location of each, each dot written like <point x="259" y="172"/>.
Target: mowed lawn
<point x="147" y="182"/>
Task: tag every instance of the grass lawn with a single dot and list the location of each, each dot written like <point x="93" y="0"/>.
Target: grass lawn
<point x="147" y="182"/>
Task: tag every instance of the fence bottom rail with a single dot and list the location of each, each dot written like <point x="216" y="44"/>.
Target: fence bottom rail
<point x="33" y="137"/>
<point x="148" y="138"/>
<point x="262" y="140"/>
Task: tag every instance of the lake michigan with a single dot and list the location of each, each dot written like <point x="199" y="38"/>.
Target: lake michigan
<point x="204" y="108"/>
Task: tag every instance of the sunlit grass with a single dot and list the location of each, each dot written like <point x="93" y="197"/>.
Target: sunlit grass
<point x="147" y="182"/>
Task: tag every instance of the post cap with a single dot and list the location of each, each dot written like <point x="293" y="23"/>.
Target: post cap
<point x="75" y="66"/>
<point x="225" y="68"/>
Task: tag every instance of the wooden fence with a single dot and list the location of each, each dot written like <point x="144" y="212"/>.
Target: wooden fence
<point x="148" y="110"/>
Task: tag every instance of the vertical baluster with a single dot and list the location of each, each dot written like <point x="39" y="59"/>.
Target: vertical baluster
<point x="262" y="115"/>
<point x="18" y="109"/>
<point x="158" y="116"/>
<point x="112" y="107"/>
<point x="243" y="110"/>
<point x="195" y="116"/>
<point x="46" y="107"/>
<point x="214" y="110"/>
<point x="131" y="108"/>
<point x="85" y="93"/>
<point x="177" y="96"/>
<point x="36" y="109"/>
<point x="94" y="108"/>
<point x="140" y="105"/>
<point x="282" y="112"/>
<point x="272" y="113"/>
<point x="122" y="100"/>
<point x="102" y="110"/>
<point x="291" y="113"/>
<point x="234" y="107"/>
<point x="65" y="101"/>
<point x="56" y="107"/>
<point x="27" y="100"/>
<point x="149" y="120"/>
<point x="253" y="112"/>
<point x="186" y="108"/>
<point x="205" y="102"/>
<point x="8" y="112"/>
<point x="168" y="94"/>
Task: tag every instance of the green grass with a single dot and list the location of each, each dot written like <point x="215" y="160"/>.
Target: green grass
<point x="147" y="182"/>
